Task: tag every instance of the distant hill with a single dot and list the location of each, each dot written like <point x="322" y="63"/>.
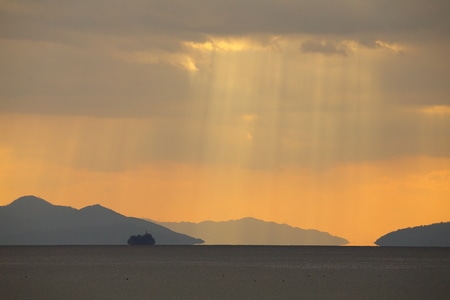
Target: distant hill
<point x="250" y="231"/>
<point x="30" y="220"/>
<point x="434" y="235"/>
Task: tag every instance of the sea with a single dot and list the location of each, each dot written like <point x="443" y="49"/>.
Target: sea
<point x="223" y="272"/>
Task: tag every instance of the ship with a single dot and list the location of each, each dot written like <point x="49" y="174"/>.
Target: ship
<point x="145" y="239"/>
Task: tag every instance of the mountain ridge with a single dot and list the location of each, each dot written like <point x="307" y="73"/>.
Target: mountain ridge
<point x="31" y="220"/>
<point x="252" y="231"/>
<point x="30" y="202"/>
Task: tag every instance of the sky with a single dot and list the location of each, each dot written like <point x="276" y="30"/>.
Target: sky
<point x="329" y="115"/>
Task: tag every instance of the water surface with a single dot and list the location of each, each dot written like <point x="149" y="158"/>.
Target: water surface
<point x="223" y="272"/>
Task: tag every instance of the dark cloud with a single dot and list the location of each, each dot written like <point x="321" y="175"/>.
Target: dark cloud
<point x="48" y="78"/>
<point x="326" y="48"/>
<point x="198" y="17"/>
<point x="416" y="78"/>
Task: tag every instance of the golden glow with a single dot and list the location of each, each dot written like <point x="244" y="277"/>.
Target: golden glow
<point x="249" y="117"/>
<point x="346" y="200"/>
<point x="436" y="110"/>
<point x="390" y="46"/>
<point x="225" y="44"/>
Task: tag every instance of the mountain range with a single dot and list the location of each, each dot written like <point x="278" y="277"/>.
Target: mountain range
<point x="251" y="231"/>
<point x="434" y="235"/>
<point x="30" y="220"/>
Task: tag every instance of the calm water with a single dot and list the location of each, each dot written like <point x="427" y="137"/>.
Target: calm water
<point x="223" y="272"/>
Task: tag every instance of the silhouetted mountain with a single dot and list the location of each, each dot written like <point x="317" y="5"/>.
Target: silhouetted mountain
<point x="434" y="235"/>
<point x="33" y="221"/>
<point x="250" y="231"/>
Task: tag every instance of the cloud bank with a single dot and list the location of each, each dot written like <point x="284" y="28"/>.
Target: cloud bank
<point x="326" y="81"/>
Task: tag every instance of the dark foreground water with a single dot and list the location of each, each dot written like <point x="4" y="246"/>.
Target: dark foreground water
<point x="223" y="272"/>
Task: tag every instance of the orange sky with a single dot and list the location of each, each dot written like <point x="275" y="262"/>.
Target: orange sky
<point x="339" y="121"/>
<point x="357" y="201"/>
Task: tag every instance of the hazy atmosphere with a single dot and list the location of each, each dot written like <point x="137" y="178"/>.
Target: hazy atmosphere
<point x="332" y="115"/>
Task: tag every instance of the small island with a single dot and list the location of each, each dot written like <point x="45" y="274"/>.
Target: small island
<point x="145" y="239"/>
<point x="433" y="235"/>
